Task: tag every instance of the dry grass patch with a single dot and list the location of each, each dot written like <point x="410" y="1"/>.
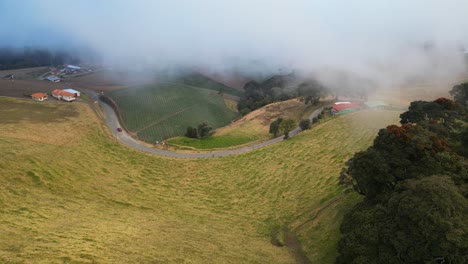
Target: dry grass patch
<point x="258" y="121"/>
<point x="34" y="121"/>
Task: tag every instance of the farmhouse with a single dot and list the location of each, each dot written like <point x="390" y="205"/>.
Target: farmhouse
<point x="63" y="95"/>
<point x="39" y="96"/>
<point x="75" y="92"/>
<point x="340" y="108"/>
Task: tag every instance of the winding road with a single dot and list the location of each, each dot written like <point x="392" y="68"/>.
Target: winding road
<point x="112" y="122"/>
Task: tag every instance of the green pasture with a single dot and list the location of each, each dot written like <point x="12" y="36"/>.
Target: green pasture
<point x="163" y="110"/>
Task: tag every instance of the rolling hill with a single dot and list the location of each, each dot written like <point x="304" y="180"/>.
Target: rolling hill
<point x="72" y="193"/>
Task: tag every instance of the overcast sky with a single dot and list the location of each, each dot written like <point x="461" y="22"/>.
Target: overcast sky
<point x="358" y="35"/>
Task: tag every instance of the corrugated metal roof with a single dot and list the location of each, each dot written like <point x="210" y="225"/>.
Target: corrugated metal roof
<point x="73" y="67"/>
<point x="349" y="110"/>
<point x="375" y="103"/>
<point x="70" y="90"/>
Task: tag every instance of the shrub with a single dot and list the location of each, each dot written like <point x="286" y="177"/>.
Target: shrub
<point x="204" y="130"/>
<point x="305" y="124"/>
<point x="191" y="132"/>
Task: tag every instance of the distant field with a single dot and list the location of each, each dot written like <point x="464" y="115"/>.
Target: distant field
<point x="200" y="80"/>
<point x="26" y="73"/>
<point x="72" y="194"/>
<point x="159" y="111"/>
<point x="253" y="127"/>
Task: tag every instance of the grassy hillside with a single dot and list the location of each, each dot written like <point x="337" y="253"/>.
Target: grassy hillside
<point x="199" y="80"/>
<point x="71" y="193"/>
<point x="253" y="127"/>
<point x="159" y="111"/>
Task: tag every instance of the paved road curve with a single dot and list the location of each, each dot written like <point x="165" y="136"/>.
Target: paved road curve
<point x="113" y="123"/>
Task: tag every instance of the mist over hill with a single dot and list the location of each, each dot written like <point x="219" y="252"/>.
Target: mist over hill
<point x="390" y="42"/>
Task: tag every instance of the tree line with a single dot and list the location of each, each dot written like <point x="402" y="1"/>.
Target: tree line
<point x="280" y="88"/>
<point x="309" y="90"/>
<point x="16" y="58"/>
<point x="414" y="179"/>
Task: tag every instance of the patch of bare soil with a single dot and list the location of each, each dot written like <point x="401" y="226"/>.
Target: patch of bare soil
<point x="265" y="115"/>
<point x="107" y="80"/>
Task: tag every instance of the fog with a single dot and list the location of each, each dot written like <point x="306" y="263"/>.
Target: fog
<point x="386" y="41"/>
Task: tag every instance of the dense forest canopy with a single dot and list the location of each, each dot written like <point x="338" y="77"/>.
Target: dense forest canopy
<point x="308" y="89"/>
<point x="17" y="58"/>
<point x="414" y="180"/>
<point x="280" y="88"/>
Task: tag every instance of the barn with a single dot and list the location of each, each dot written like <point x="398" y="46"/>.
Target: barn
<point x="340" y="108"/>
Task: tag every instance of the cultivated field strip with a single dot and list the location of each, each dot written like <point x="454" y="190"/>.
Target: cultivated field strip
<point x="160" y="111"/>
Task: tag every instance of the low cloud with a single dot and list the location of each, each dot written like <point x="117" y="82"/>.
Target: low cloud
<point x="389" y="42"/>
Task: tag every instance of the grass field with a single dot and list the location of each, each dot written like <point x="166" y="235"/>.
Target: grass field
<point x="25" y="73"/>
<point x="214" y="142"/>
<point x="72" y="194"/>
<point x="200" y="80"/>
<point x="253" y="127"/>
<point x="159" y="111"/>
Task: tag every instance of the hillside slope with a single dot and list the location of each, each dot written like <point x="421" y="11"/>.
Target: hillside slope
<point x="161" y="110"/>
<point x="71" y="193"/>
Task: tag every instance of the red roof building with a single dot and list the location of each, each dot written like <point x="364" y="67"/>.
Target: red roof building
<point x="341" y="107"/>
<point x="39" y="96"/>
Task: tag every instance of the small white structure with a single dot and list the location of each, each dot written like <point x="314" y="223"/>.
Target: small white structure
<point x="73" y="67"/>
<point x="338" y="103"/>
<point x="75" y="92"/>
<point x="53" y="79"/>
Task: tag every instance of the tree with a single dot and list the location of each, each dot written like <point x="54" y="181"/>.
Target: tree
<point x="424" y="221"/>
<point x="460" y="93"/>
<point x="401" y="153"/>
<point x="311" y="91"/>
<point x="415" y="187"/>
<point x="204" y="130"/>
<point x="191" y="132"/>
<point x="275" y="126"/>
<point x="440" y="116"/>
<point x="286" y="126"/>
<point x="280" y="88"/>
<point x="305" y="124"/>
<point x="441" y="110"/>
